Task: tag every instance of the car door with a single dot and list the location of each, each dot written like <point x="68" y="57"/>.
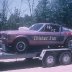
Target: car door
<point x="51" y="34"/>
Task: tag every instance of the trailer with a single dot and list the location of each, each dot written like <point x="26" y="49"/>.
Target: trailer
<point x="49" y="57"/>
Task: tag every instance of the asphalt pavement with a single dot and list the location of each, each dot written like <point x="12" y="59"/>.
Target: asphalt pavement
<point x="32" y="66"/>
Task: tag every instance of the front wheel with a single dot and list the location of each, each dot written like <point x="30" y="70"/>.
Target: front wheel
<point x="20" y="46"/>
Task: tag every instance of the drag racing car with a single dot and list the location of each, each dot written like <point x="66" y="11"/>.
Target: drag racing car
<point x="38" y="35"/>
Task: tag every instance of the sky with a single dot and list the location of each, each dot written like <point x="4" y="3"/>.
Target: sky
<point x="22" y="5"/>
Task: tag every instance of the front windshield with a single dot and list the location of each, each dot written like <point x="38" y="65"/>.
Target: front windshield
<point x="36" y="27"/>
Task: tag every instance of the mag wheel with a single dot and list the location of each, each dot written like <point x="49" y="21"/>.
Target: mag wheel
<point x="20" y="46"/>
<point x="49" y="60"/>
<point x="65" y="58"/>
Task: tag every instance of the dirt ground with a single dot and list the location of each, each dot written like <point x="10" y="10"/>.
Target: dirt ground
<point x="32" y="66"/>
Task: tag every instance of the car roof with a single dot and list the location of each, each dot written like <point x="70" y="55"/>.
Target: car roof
<point x="50" y="24"/>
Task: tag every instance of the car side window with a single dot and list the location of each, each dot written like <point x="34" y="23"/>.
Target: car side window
<point x="52" y="28"/>
<point x="48" y="28"/>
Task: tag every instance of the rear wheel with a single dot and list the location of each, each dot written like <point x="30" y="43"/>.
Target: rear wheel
<point x="65" y="58"/>
<point x="68" y="43"/>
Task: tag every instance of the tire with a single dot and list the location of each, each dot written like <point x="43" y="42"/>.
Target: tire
<point x="65" y="58"/>
<point x="69" y="43"/>
<point x="20" y="46"/>
<point x="49" y="60"/>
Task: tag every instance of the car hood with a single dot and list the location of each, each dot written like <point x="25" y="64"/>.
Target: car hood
<point x="18" y="32"/>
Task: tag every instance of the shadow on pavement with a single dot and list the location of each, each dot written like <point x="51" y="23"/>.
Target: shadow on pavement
<point x="20" y="65"/>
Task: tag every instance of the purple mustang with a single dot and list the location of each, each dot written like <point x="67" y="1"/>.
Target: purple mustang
<point x="40" y="34"/>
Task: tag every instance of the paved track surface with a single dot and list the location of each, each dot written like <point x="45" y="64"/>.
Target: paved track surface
<point x="32" y="66"/>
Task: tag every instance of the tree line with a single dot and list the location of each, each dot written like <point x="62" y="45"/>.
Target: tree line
<point x="47" y="11"/>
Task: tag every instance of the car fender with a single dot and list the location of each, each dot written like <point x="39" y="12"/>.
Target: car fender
<point x="21" y="36"/>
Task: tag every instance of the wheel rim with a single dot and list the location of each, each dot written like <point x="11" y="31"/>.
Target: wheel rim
<point x="50" y="60"/>
<point x="66" y="59"/>
<point x="20" y="46"/>
<point x="70" y="43"/>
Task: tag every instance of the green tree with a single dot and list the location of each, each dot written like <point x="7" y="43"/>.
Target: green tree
<point x="26" y="20"/>
<point x="65" y="12"/>
<point x="3" y="15"/>
<point x="41" y="11"/>
<point x="14" y="20"/>
<point x="57" y="11"/>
